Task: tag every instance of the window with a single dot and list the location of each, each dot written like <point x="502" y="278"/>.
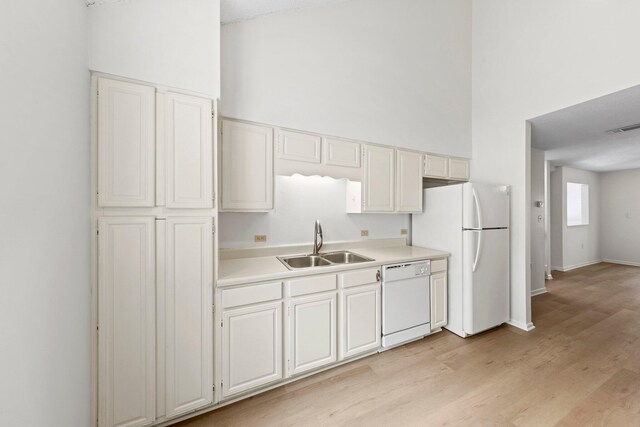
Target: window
<point x="577" y="204"/>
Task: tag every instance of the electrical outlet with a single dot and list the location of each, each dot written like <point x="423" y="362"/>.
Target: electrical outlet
<point x="260" y="238"/>
<point x="404" y="231"/>
<point x="364" y="233"/>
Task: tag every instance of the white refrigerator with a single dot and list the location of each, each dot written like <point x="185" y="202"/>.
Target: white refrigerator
<point x="470" y="221"/>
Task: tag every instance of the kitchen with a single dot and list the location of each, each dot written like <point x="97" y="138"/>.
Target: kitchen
<point x="194" y="229"/>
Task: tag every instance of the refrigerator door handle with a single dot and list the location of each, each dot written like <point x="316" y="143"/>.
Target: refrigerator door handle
<point x="477" y="257"/>
<point x="478" y="210"/>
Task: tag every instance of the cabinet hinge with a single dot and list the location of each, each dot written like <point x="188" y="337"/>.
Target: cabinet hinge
<point x="213" y="229"/>
<point x="213" y="197"/>
<point x="222" y="323"/>
<point x="214" y="387"/>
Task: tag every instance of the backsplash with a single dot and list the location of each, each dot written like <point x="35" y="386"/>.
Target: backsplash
<point x="299" y="201"/>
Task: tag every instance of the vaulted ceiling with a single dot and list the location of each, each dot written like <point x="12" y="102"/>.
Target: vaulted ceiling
<point x="239" y="10"/>
<point x="578" y="136"/>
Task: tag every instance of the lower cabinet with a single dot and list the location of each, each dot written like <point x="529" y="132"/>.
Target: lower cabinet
<point x="438" y="300"/>
<point x="251" y="347"/>
<point x="360" y="320"/>
<point x="312" y="332"/>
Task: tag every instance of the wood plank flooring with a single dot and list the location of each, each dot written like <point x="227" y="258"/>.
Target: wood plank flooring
<point x="579" y="367"/>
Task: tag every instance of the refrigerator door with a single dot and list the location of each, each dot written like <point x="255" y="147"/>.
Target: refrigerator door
<point x="485" y="206"/>
<point x="485" y="279"/>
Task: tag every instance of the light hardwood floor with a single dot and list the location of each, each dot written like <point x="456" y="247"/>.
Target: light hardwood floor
<point x="579" y="367"/>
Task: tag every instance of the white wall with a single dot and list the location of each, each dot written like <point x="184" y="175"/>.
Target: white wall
<point x="168" y="42"/>
<point x="44" y="214"/>
<point x="395" y="72"/>
<point x="581" y="244"/>
<point x="620" y="216"/>
<point x="538" y="221"/>
<point x="300" y="200"/>
<point x="531" y="57"/>
<point x="555" y="218"/>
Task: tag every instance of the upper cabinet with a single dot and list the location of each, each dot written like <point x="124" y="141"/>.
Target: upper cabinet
<point x="378" y="184"/>
<point x="446" y="168"/>
<point x="409" y="181"/>
<point x="154" y="148"/>
<point x="338" y="152"/>
<point x="459" y="169"/>
<point x="126" y="144"/>
<point x="185" y="131"/>
<point x="247" y="167"/>
<point x="299" y="146"/>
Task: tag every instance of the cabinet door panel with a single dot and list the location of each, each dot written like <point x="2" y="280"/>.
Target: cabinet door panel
<point x="188" y="313"/>
<point x="409" y="181"/>
<point x="247" y="167"/>
<point x="379" y="179"/>
<point x="299" y="146"/>
<point x="312" y="328"/>
<point x="436" y="166"/>
<point x="251" y="347"/>
<point x="341" y="153"/>
<point x="126" y="319"/>
<point x="361" y="330"/>
<point x="438" y="300"/>
<point x="459" y="169"/>
<point x="189" y="158"/>
<point x="126" y="144"/>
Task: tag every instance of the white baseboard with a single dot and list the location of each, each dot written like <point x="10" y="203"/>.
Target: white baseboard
<point x="540" y="291"/>
<point x="615" y="261"/>
<point x="573" y="267"/>
<point x="521" y="325"/>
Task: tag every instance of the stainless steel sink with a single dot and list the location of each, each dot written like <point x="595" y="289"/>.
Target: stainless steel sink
<point x="304" y="261"/>
<point x="345" y="257"/>
<point x="308" y="261"/>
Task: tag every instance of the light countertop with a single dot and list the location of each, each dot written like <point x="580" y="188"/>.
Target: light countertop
<point x="264" y="268"/>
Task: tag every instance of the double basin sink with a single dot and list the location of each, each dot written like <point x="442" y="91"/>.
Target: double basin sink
<point x="330" y="258"/>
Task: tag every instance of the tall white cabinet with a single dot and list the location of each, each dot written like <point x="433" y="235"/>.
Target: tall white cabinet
<point x="126" y="322"/>
<point x="154" y="259"/>
<point x="378" y="192"/>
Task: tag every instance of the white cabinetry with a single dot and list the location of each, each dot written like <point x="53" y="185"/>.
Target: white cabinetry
<point x="379" y="179"/>
<point x="184" y="129"/>
<point x="247" y="167"/>
<point x="153" y="149"/>
<point x="126" y="321"/>
<point x="312" y="332"/>
<point x="439" y="291"/>
<point x="188" y="284"/>
<point x="299" y="146"/>
<point x="338" y="152"/>
<point x="409" y="182"/>
<point x="126" y="144"/>
<point x="360" y="312"/>
<point x="459" y="169"/>
<point x="251" y="347"/>
<point x="443" y="167"/>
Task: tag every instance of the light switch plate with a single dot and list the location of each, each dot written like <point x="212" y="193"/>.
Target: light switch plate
<point x="404" y="231"/>
<point x="260" y="238"/>
<point x="364" y="233"/>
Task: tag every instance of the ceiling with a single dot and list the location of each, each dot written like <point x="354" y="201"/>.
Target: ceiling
<point x="240" y="10"/>
<point x="577" y="136"/>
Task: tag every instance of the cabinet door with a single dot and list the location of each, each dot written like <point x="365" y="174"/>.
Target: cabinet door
<point x="126" y="321"/>
<point x="341" y="153"/>
<point x="436" y="166"/>
<point x="312" y="332"/>
<point x="126" y="144"/>
<point x="361" y="331"/>
<point x="247" y="167"/>
<point x="459" y="169"/>
<point x="438" y="300"/>
<point x="299" y="146"/>
<point x="251" y="347"/>
<point x="409" y="182"/>
<point x="379" y="179"/>
<point x="188" y="151"/>
<point x="188" y="313"/>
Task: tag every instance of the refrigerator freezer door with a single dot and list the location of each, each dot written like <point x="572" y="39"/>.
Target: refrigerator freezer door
<point x="485" y="279"/>
<point x="485" y="206"/>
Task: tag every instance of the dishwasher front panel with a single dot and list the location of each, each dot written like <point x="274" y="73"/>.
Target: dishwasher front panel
<point x="405" y="304"/>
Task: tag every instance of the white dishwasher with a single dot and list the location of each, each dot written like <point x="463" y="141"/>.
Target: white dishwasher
<point x="405" y="302"/>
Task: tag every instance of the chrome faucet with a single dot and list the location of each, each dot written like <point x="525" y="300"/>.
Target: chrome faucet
<point x="317" y="231"/>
